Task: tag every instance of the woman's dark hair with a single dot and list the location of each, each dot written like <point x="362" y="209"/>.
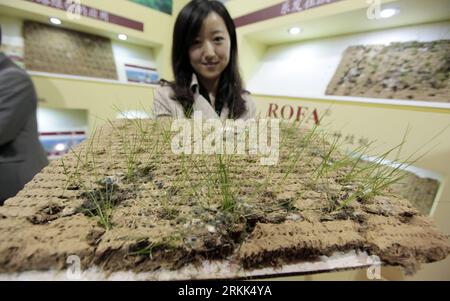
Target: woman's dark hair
<point x="187" y="27"/>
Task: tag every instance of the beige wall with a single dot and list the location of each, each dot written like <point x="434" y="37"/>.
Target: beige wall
<point x="102" y="99"/>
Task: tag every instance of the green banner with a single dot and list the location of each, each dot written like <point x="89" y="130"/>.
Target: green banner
<point x="164" y="6"/>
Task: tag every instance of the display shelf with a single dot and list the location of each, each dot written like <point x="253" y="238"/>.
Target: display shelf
<point x="87" y="79"/>
<point x="362" y="100"/>
<point x="211" y="270"/>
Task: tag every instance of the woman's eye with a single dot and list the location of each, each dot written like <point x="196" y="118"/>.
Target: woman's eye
<point x="196" y="42"/>
<point x="219" y="39"/>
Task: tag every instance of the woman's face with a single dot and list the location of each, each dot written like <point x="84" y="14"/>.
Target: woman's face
<point x="210" y="53"/>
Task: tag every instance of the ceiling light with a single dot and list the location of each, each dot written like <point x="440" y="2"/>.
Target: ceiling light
<point x="295" y="30"/>
<point x="122" y="37"/>
<point x="389" y="12"/>
<point x="55" y="21"/>
<point x="60" y="147"/>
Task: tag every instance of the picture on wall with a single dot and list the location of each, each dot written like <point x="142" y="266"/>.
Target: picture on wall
<point x="14" y="52"/>
<point x="141" y="74"/>
<point x="60" y="130"/>
<point x="57" y="144"/>
<point x="164" y="6"/>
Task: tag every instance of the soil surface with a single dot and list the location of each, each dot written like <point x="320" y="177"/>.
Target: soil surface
<point x="123" y="201"/>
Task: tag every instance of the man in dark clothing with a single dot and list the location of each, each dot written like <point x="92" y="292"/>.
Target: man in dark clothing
<point x="21" y="154"/>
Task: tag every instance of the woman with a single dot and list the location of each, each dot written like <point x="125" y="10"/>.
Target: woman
<point x="205" y="66"/>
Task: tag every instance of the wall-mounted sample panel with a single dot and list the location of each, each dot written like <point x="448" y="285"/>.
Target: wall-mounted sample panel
<point x="57" y="50"/>
<point x="420" y="192"/>
<point x="409" y="70"/>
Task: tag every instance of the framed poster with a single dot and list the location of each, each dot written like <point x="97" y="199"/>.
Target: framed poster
<point x="164" y="6"/>
<point x="61" y="129"/>
<point x="13" y="47"/>
<point x="57" y="144"/>
<point x="141" y="74"/>
<point x="15" y="53"/>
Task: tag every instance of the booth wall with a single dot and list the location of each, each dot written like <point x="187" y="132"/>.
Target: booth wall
<point x="305" y="69"/>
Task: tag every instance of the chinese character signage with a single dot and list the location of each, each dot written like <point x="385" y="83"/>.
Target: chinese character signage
<point x="294" y="6"/>
<point x="281" y="9"/>
<point x="73" y="7"/>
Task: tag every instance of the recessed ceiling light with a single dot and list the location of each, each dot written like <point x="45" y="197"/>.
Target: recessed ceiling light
<point x="60" y="147"/>
<point x="389" y="12"/>
<point x="295" y="30"/>
<point x="122" y="37"/>
<point x="55" y="21"/>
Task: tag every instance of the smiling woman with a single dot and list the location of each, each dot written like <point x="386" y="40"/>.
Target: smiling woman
<point x="210" y="53"/>
<point x="204" y="62"/>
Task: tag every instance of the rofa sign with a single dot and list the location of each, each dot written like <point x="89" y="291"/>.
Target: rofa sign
<point x="288" y="112"/>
